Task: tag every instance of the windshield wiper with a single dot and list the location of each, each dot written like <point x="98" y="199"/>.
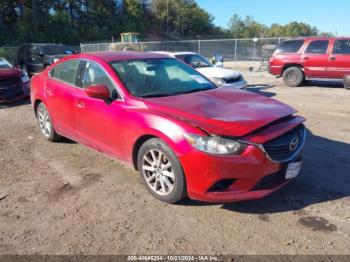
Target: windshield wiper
<point x="158" y="95"/>
<point x="175" y="93"/>
<point x="194" y="90"/>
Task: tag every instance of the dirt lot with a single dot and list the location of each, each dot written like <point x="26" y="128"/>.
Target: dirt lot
<point x="64" y="198"/>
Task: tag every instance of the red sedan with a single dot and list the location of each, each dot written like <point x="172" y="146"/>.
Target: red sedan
<point x="184" y="135"/>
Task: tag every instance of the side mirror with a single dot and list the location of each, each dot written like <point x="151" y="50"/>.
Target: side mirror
<point x="99" y="92"/>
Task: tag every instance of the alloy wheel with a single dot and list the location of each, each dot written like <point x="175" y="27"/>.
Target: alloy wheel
<point x="158" y="172"/>
<point x="44" y="122"/>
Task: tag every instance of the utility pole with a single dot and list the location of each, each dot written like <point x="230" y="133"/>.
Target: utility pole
<point x="167" y="17"/>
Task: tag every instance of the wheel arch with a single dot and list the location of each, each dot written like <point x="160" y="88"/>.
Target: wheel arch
<point x="289" y="65"/>
<point x="137" y="145"/>
<point x="36" y="103"/>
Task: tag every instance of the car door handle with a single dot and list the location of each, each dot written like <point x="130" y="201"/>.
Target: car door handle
<point x="332" y="58"/>
<point x="81" y="104"/>
<point x="305" y="57"/>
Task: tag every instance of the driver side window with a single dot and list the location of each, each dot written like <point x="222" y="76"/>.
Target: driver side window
<point x="95" y="75"/>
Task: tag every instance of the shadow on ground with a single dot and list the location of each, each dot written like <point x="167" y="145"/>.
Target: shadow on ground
<point x="324" y="177"/>
<point x="326" y="84"/>
<point x="260" y="90"/>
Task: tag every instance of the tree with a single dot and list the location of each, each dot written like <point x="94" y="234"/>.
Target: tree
<point x="249" y="28"/>
<point x="75" y="21"/>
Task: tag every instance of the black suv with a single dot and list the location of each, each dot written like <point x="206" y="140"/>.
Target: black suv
<point x="35" y="57"/>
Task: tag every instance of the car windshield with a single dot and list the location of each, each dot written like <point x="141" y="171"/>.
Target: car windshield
<point x="196" y="61"/>
<point x="159" y="77"/>
<point x="57" y="50"/>
<point x="4" y="64"/>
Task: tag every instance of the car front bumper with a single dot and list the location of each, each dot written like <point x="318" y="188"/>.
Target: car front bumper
<point x="253" y="175"/>
<point x="15" y="93"/>
<point x="238" y="85"/>
<point x="257" y="172"/>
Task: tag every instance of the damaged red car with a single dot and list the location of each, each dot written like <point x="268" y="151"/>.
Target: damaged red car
<point x="184" y="135"/>
<point x="14" y="83"/>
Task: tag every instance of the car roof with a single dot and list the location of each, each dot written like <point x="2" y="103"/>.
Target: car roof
<point x="175" y="53"/>
<point x="122" y="55"/>
<point x="316" y="38"/>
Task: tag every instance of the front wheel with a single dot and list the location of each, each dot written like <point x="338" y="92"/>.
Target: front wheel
<point x="161" y="171"/>
<point x="45" y="123"/>
<point x="293" y="76"/>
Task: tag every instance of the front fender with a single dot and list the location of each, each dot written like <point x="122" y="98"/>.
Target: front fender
<point x="168" y="128"/>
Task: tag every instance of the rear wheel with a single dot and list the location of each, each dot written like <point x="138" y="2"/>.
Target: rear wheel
<point x="161" y="171"/>
<point x="293" y="76"/>
<point x="347" y="82"/>
<point x="45" y="124"/>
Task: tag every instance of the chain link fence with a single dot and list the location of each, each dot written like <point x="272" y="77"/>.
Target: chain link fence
<point x="253" y="50"/>
<point x="230" y="49"/>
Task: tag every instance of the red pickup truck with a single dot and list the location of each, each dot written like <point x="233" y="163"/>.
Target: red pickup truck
<point x="314" y="58"/>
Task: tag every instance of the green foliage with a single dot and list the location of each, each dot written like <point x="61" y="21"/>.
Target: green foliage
<point x="249" y="28"/>
<point x="182" y="18"/>
<point x="75" y="21"/>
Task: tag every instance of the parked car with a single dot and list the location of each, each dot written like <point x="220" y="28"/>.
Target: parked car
<point x="320" y="58"/>
<point x="14" y="83"/>
<point x="34" y="58"/>
<point x="182" y="133"/>
<point x="219" y="75"/>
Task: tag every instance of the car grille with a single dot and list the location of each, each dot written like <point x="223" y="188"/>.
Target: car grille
<point x="286" y="146"/>
<point x="270" y="181"/>
<point x="233" y="80"/>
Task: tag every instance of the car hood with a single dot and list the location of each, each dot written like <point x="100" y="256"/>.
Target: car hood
<point x="222" y="111"/>
<point x="218" y="72"/>
<point x="10" y="72"/>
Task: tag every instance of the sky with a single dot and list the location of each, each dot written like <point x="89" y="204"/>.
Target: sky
<point x="327" y="15"/>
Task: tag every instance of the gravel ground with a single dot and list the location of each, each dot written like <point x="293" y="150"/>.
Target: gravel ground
<point x="64" y="198"/>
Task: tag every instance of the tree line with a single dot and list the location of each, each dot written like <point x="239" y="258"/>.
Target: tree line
<point x="75" y="21"/>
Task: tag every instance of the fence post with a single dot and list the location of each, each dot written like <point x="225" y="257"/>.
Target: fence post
<point x="199" y="46"/>
<point x="141" y="46"/>
<point x="235" y="49"/>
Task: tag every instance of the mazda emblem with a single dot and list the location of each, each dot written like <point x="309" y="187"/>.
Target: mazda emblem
<point x="294" y="144"/>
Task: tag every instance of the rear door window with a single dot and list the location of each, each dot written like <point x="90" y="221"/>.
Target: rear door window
<point x="66" y="72"/>
<point x="341" y="47"/>
<point x="289" y="46"/>
<point x="317" y="47"/>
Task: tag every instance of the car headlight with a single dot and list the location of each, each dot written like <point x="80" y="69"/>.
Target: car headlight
<point x="215" y="144"/>
<point x="218" y="81"/>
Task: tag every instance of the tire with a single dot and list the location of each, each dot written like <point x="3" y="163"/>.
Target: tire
<point x="45" y="124"/>
<point x="166" y="180"/>
<point x="347" y="82"/>
<point x="293" y="76"/>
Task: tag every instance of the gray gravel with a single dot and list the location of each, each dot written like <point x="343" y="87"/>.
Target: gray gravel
<point x="64" y="198"/>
